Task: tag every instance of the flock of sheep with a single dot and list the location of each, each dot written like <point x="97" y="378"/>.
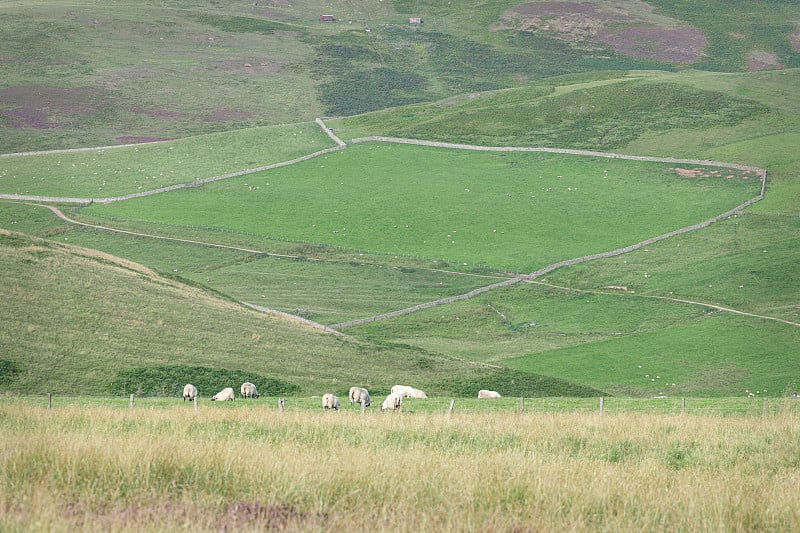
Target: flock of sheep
<point x="358" y="395"/>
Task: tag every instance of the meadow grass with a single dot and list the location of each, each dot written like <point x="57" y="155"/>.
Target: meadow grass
<point x="222" y="468"/>
<point x="507" y="211"/>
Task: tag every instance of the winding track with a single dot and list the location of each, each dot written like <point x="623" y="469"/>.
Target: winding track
<point x="340" y="144"/>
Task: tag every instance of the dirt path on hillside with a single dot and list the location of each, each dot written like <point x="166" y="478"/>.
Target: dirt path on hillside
<point x="671" y="299"/>
<point x="340" y="144"/>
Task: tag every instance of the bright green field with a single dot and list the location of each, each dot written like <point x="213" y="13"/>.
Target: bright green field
<point x="517" y="211"/>
<point x="116" y="171"/>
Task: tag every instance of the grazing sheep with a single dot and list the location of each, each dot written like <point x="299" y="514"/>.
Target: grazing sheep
<point x="409" y="392"/>
<point x="248" y="390"/>
<point x="224" y="395"/>
<point x="360" y="395"/>
<point x="488" y="394"/>
<point x="364" y="398"/>
<point x="329" y="401"/>
<point x="189" y="392"/>
<point x="394" y="402"/>
<point x="354" y="391"/>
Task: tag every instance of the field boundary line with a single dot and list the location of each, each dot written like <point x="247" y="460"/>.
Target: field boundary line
<point x="666" y="298"/>
<point x="569" y="151"/>
<point x="567" y="262"/>
<point x="168" y="188"/>
<point x="293" y="318"/>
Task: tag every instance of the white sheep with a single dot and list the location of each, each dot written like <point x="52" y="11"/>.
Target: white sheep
<point x="394" y="401"/>
<point x="189" y="392"/>
<point x="488" y="394"/>
<point x="364" y="398"/>
<point x="329" y="401"/>
<point x="409" y="392"/>
<point x="354" y="391"/>
<point x="224" y="395"/>
<point x="360" y="395"/>
<point x="248" y="390"/>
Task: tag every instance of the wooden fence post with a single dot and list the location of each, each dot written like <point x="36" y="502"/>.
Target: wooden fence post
<point x="602" y="404"/>
<point x="49" y="400"/>
<point x="522" y="405"/>
<point x="131" y="401"/>
<point x="683" y="405"/>
<point x="281" y="404"/>
<point x="195" y="402"/>
<point x="450" y="410"/>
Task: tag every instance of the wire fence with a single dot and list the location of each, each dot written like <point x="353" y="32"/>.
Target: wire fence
<point x="601" y="406"/>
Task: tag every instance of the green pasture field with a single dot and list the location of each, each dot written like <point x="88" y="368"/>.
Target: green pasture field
<point x="108" y="467"/>
<point x="620" y="343"/>
<point x="747" y="262"/>
<point x="725" y="355"/>
<point x="498" y="211"/>
<point x="115" y="171"/>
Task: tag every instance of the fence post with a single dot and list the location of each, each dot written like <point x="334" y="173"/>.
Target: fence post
<point x="602" y="404"/>
<point x="49" y="400"/>
<point x="683" y="405"/>
<point x="522" y="405"/>
<point x="281" y="404"/>
<point x="450" y="410"/>
<point x="194" y="400"/>
<point x="131" y="401"/>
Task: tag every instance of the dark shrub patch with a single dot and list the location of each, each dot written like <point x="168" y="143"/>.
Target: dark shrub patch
<point x="8" y="370"/>
<point x="169" y="381"/>
<point x="519" y="384"/>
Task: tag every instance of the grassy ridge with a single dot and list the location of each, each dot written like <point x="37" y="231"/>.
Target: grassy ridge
<point x="147" y="72"/>
<point x="89" y="75"/>
<point x="132" y="318"/>
<point x="603" y="116"/>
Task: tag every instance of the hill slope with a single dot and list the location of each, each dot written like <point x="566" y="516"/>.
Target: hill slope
<point x="77" y="321"/>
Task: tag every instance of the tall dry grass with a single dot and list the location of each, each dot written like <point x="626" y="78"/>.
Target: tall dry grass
<point x="222" y="469"/>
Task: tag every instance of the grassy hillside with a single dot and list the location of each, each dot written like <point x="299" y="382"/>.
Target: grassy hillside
<point x="97" y="74"/>
<point x="340" y="267"/>
<point x="379" y="227"/>
<point x="77" y="321"/>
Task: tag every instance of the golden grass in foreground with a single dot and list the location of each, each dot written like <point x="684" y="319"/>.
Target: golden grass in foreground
<point x="220" y="469"/>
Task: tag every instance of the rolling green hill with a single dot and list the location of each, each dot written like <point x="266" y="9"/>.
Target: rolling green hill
<point x="76" y="321"/>
<point x="377" y="227"/>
